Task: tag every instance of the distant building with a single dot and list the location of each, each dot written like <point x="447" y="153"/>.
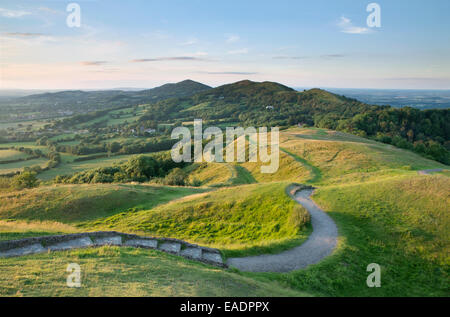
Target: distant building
<point x="150" y="131"/>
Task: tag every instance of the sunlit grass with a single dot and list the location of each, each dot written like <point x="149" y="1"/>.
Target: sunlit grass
<point x="120" y="271"/>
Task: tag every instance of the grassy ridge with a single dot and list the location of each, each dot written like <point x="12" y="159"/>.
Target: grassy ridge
<point x="76" y="203"/>
<point x="247" y="219"/>
<point x="340" y="158"/>
<point x="210" y="173"/>
<point x="288" y="170"/>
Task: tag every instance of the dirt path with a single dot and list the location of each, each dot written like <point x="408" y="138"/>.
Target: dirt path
<point x="319" y="245"/>
<point x="427" y="172"/>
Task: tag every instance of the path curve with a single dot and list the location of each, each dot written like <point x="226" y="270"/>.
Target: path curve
<point x="319" y="245"/>
<point x="429" y="171"/>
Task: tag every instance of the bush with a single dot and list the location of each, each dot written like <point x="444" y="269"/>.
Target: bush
<point x="176" y="177"/>
<point x="25" y="180"/>
<point x="5" y="183"/>
<point x="196" y="182"/>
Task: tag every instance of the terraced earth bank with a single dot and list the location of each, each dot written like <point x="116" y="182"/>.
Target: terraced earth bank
<point x="96" y="239"/>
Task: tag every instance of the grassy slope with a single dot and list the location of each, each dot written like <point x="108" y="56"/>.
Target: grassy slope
<point x="45" y="209"/>
<point x="385" y="213"/>
<point x="240" y="220"/>
<point x="289" y="170"/>
<point x="341" y="158"/>
<point x="114" y="271"/>
<point x="210" y="174"/>
<point x="401" y="224"/>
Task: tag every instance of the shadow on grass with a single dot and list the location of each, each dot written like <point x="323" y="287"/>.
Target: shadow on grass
<point x="29" y="234"/>
<point x="243" y="176"/>
<point x="316" y="174"/>
<point x="273" y="247"/>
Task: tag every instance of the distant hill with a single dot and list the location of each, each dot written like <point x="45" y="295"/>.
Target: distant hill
<point x="255" y="102"/>
<point x="271" y="104"/>
<point x="84" y="101"/>
<point x="183" y="88"/>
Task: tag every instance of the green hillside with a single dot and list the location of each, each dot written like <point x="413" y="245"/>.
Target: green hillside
<point x="401" y="224"/>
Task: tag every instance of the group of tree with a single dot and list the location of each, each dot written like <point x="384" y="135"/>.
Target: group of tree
<point x="139" y="168"/>
<point x="25" y="179"/>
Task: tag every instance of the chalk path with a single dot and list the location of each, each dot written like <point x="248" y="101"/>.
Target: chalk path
<point x="319" y="245"/>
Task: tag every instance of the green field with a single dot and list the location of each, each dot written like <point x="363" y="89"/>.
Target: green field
<point x="69" y="167"/>
<point x="29" y="145"/>
<point x="9" y="155"/>
<point x="19" y="166"/>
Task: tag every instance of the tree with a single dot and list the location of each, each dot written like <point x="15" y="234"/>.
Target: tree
<point x="25" y="180"/>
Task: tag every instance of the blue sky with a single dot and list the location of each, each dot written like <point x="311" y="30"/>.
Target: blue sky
<point x="298" y="43"/>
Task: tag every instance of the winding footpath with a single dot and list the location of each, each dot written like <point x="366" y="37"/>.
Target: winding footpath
<point x="429" y="171"/>
<point x="319" y="245"/>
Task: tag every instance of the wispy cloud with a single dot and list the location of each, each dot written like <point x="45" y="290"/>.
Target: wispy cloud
<point x="175" y="58"/>
<point x="238" y="51"/>
<point x="290" y="57"/>
<point x="232" y="38"/>
<point x="23" y="35"/>
<point x="191" y="41"/>
<point x="230" y="73"/>
<point x="93" y="63"/>
<point x="49" y="10"/>
<point x="347" y="26"/>
<point x="333" y="56"/>
<point x="7" y="13"/>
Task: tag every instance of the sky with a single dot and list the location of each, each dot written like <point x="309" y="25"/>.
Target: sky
<point x="146" y="43"/>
